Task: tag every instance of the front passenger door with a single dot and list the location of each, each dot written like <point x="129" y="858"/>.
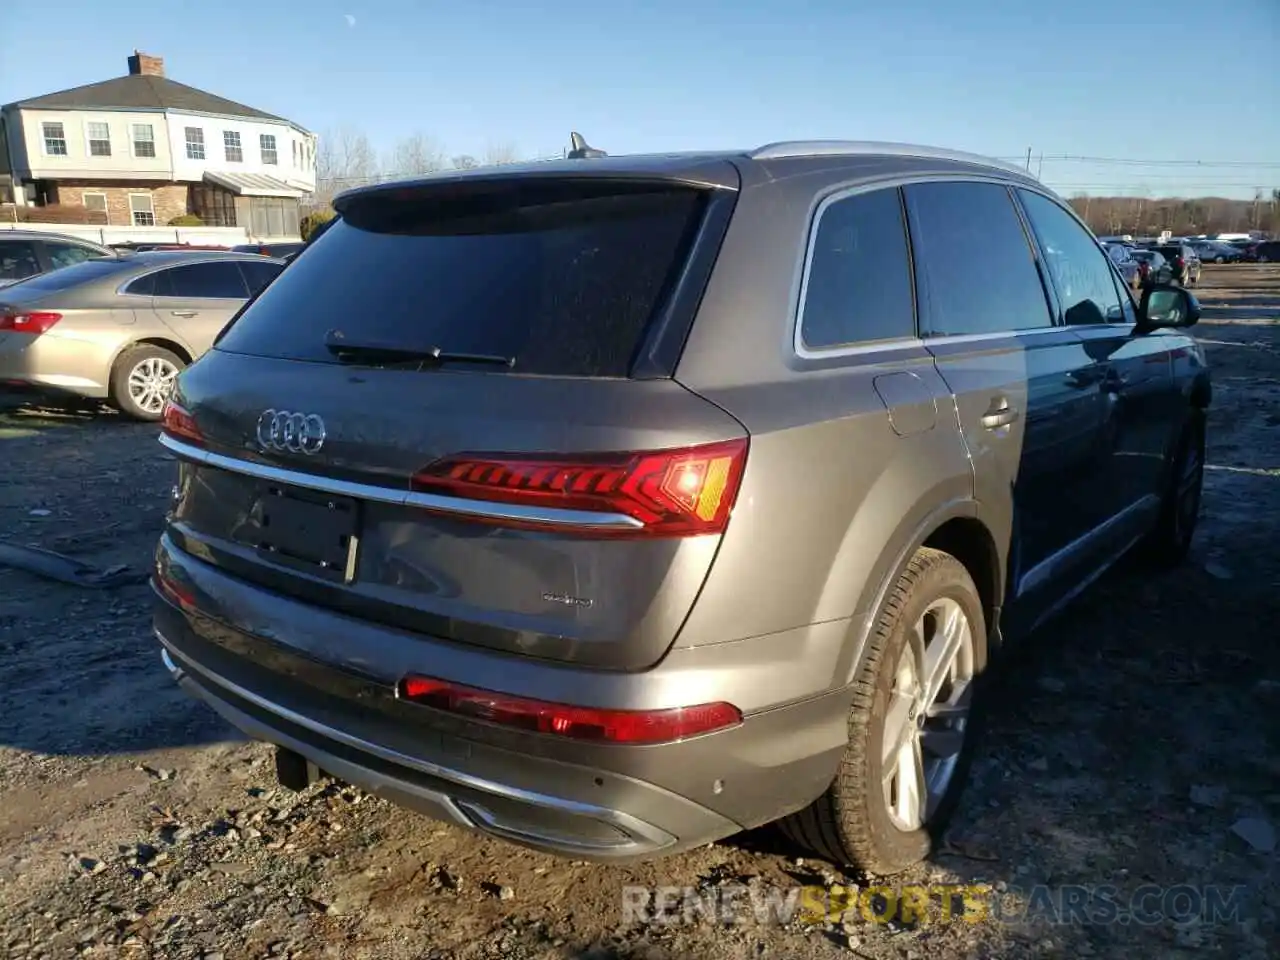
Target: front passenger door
<point x="1139" y="402"/>
<point x="195" y="300"/>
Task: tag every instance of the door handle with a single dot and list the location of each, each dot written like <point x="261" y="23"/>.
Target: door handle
<point x="183" y="313"/>
<point x="1000" y="415"/>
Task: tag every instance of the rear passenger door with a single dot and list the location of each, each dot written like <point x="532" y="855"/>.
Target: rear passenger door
<point x="1025" y="388"/>
<point x="1140" y="404"/>
<point x="196" y="300"/>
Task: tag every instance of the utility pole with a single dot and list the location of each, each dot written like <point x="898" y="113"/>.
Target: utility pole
<point x="1028" y="159"/>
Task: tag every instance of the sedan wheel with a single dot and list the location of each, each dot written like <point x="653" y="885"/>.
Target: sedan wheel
<point x="150" y="383"/>
<point x="142" y="380"/>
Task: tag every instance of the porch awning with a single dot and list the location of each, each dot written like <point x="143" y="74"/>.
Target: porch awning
<point x="252" y="184"/>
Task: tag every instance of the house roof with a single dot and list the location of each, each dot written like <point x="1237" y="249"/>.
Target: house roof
<point x="251" y="184"/>
<point x="142" y="92"/>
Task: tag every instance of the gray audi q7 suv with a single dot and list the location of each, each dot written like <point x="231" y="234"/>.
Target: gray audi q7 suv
<point x="615" y="505"/>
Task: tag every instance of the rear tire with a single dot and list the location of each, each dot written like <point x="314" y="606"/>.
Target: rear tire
<point x="1169" y="541"/>
<point x="141" y="380"/>
<point x="859" y="821"/>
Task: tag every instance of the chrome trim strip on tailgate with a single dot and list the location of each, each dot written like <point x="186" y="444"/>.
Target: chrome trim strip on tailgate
<point x="405" y="498"/>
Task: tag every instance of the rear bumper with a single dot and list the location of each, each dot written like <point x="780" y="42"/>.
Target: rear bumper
<point x="59" y="365"/>
<point x="588" y="801"/>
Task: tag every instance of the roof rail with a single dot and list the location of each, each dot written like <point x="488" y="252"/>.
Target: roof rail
<point x="853" y="148"/>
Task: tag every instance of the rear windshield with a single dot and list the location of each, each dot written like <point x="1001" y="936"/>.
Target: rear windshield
<point x="66" y="277"/>
<point x="565" y="282"/>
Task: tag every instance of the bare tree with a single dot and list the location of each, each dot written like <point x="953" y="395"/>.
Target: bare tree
<point x="416" y="155"/>
<point x="345" y="158"/>
<point x="464" y="161"/>
<point x="498" y="153"/>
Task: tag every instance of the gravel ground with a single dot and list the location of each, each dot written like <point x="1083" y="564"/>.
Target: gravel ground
<point x="1137" y="742"/>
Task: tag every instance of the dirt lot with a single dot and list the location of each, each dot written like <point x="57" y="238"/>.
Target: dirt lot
<point x="1137" y="742"/>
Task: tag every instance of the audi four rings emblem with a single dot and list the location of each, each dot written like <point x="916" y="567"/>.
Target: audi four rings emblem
<point x="290" y="432"/>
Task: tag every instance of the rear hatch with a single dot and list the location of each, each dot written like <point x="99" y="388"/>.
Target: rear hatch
<point x="454" y="414"/>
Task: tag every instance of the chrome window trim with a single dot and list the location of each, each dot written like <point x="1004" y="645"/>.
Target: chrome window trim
<point x="842" y="192"/>
<point x="405" y="498"/>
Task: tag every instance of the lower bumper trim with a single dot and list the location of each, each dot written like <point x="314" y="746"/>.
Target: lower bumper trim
<point x="613" y="835"/>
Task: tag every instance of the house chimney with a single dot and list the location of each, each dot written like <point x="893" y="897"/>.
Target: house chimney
<point x="145" y="65"/>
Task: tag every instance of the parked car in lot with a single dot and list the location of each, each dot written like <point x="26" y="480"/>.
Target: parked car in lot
<point x="1153" y="268"/>
<point x="1185" y="262"/>
<point x="1215" y="252"/>
<point x="612" y="505"/>
<point x="121" y="328"/>
<point x="1267" y="251"/>
<point x="28" y="253"/>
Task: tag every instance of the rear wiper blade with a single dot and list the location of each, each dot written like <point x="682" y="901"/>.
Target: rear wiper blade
<point x="366" y="351"/>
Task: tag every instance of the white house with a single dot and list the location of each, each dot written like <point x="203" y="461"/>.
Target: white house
<point x="143" y="149"/>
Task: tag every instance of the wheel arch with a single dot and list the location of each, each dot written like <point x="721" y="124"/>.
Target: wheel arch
<point x="957" y="528"/>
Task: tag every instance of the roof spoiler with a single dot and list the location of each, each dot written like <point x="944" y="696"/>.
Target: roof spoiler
<point x="579" y="149"/>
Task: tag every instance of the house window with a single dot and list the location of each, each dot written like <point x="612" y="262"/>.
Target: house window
<point x="195" y="143"/>
<point x="95" y="203"/>
<point x="99" y="135"/>
<point x="267" y="142"/>
<point x="141" y="210"/>
<point x="231" y="143"/>
<point x="144" y="140"/>
<point x="55" y="139"/>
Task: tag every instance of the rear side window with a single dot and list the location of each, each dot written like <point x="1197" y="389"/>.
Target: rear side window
<point x="214" y="280"/>
<point x="68" y="254"/>
<point x="563" y="278"/>
<point x="258" y="275"/>
<point x="974" y="267"/>
<point x="858" y="286"/>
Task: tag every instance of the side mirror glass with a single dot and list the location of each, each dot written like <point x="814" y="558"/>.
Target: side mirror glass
<point x="1168" y="306"/>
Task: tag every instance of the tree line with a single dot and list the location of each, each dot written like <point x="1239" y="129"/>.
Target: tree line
<point x="1181" y="216"/>
<point x="346" y="158"/>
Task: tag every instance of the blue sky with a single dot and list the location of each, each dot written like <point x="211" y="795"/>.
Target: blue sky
<point x="1176" y="81"/>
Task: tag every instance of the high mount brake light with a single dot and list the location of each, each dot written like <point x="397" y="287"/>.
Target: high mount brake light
<point x="34" y="322"/>
<point x="562" y="720"/>
<point x="177" y="422"/>
<point x="671" y="493"/>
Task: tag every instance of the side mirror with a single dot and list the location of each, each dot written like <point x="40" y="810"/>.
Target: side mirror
<point x="1167" y="306"/>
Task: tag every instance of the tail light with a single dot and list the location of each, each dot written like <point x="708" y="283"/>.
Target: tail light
<point x="35" y="323"/>
<point x="177" y="422"/>
<point x="576" y="723"/>
<point x="670" y="493"/>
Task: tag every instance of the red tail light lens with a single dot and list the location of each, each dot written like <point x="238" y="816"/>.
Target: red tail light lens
<point x="672" y="493"/>
<point x="177" y="422"/>
<point x="34" y="323"/>
<point x="577" y="723"/>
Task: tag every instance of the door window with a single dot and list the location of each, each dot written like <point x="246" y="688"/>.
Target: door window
<point x="975" y="269"/>
<point x="1085" y="281"/>
<point x="18" y="260"/>
<point x="858" y="287"/>
<point x="217" y="280"/>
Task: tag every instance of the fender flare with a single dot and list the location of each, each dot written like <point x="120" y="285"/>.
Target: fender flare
<point x="961" y="508"/>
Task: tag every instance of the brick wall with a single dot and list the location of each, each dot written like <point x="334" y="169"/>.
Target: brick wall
<point x="168" y="200"/>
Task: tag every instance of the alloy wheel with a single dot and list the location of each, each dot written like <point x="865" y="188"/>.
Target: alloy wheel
<point x="924" y="726"/>
<point x="150" y="383"/>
